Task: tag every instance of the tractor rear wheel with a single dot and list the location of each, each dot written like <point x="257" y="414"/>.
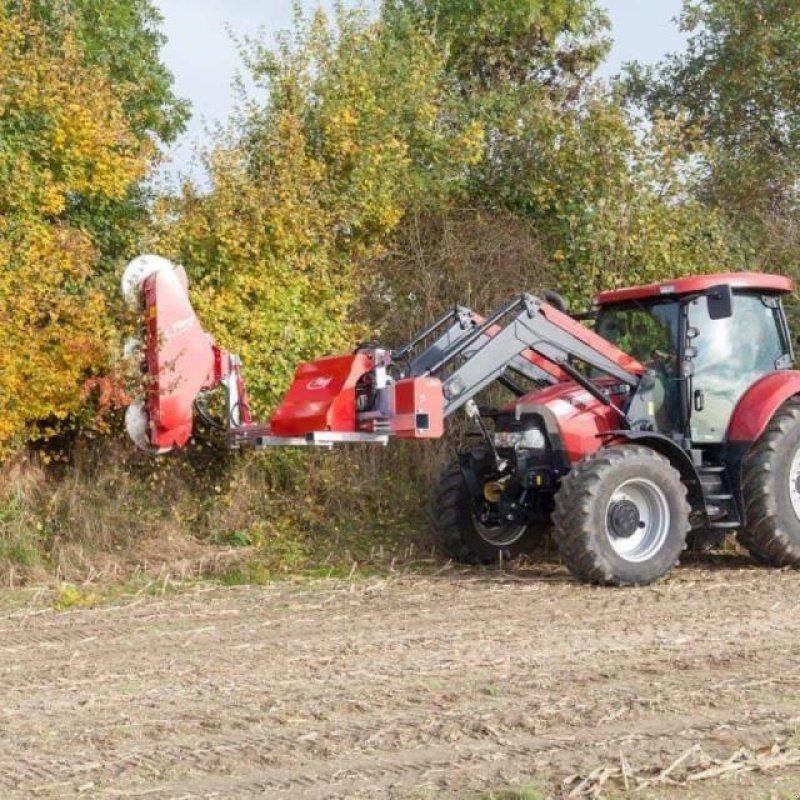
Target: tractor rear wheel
<point x="771" y="491"/>
<point x="621" y="517"/>
<point x="461" y="536"/>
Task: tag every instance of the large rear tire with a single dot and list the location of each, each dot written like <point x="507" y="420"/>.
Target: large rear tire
<point x="460" y="536"/>
<point x="771" y="491"/>
<point x="621" y="517"/>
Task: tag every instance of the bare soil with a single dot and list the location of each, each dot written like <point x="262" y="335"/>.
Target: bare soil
<point x="449" y="685"/>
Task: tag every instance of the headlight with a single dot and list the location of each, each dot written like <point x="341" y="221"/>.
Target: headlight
<point x="529" y="439"/>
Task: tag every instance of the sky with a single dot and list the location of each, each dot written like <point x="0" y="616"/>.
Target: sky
<point x="202" y="55"/>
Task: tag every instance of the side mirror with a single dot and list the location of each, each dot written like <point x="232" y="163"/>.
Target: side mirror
<point x="720" y="301"/>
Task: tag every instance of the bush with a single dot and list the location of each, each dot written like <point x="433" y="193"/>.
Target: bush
<point x="63" y="135"/>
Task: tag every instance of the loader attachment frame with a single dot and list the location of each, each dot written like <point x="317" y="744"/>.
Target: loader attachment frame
<point x="536" y="335"/>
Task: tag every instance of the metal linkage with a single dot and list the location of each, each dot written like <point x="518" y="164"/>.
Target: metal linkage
<point x="528" y="329"/>
<point x="461" y="339"/>
<point x="461" y="319"/>
<point x="259" y="437"/>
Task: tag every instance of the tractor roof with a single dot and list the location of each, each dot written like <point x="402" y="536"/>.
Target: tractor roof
<point x="757" y="281"/>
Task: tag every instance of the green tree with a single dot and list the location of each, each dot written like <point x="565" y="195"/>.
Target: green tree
<point x="358" y="127"/>
<point x="608" y="199"/>
<point x="123" y="39"/>
<point x="500" y="43"/>
<point x="738" y="82"/>
<point x="63" y="133"/>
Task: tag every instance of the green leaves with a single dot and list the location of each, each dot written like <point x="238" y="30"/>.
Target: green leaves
<point x="69" y="160"/>
<point x="739" y="83"/>
<point x="502" y="43"/>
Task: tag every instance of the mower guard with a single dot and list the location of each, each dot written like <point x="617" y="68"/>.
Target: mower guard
<point x="181" y="358"/>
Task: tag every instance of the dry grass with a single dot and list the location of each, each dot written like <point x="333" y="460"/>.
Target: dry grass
<point x="111" y="512"/>
<point x="471" y="257"/>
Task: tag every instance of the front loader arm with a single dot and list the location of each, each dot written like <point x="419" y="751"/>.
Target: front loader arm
<point x="532" y="326"/>
<point x="463" y="323"/>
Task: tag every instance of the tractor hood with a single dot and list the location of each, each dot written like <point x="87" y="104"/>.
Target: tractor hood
<point x="573" y="418"/>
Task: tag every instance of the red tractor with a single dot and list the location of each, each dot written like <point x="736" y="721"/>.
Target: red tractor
<point x="672" y="420"/>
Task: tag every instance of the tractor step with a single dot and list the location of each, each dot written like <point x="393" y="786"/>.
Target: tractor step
<point x="719" y="500"/>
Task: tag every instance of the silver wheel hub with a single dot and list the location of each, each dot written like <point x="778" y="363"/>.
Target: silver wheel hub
<point x="794" y="483"/>
<point x="637" y="519"/>
<point x="500" y="535"/>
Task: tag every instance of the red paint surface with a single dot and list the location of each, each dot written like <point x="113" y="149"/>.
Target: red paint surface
<point x="415" y="396"/>
<point x="580" y="417"/>
<point x="180" y="358"/>
<point x="698" y="283"/>
<point x="759" y="403"/>
<point x="322" y="396"/>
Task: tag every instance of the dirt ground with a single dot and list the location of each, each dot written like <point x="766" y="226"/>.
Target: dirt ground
<point x="449" y="685"/>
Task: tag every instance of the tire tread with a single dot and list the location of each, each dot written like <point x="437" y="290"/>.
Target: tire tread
<point x="576" y="538"/>
<point x="765" y="535"/>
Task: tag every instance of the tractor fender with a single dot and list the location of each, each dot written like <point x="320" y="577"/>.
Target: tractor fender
<point x="758" y="405"/>
<point x="750" y="418"/>
<point x="674" y="453"/>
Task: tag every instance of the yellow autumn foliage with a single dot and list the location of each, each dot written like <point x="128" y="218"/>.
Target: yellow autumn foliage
<point x="63" y="136"/>
<point x="359" y="127"/>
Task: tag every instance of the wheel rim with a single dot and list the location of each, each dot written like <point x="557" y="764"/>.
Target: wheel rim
<point x="501" y="535"/>
<point x="794" y="483"/>
<point x="638" y="519"/>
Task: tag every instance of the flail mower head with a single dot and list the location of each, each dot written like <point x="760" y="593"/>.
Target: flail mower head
<point x="180" y="360"/>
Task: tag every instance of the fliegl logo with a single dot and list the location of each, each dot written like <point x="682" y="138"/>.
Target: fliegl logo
<point x="319" y="382"/>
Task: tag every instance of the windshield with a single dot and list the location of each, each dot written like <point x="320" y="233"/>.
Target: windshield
<point x="732" y="353"/>
<point x="648" y="332"/>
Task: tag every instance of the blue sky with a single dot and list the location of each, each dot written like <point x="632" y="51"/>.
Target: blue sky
<point x="203" y="57"/>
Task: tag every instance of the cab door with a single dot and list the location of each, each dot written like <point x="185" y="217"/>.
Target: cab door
<point x="731" y="354"/>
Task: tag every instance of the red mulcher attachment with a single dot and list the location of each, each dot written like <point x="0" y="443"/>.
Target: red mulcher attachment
<point x="180" y="360"/>
<point x="347" y="398"/>
<point x="332" y="395"/>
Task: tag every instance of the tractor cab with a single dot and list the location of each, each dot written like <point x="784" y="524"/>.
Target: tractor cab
<point x="704" y="340"/>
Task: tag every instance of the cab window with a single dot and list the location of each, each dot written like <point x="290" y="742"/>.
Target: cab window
<point x="649" y="333"/>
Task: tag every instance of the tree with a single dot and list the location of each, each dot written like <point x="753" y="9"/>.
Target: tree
<point x="608" y="201"/>
<point x="358" y="127"/>
<point x="738" y="82"/>
<point x="63" y="133"/>
<point x="123" y="39"/>
<point x="502" y="43"/>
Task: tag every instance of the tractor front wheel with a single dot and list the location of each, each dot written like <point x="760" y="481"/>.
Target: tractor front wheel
<point x="771" y="491"/>
<point x="621" y="517"/>
<point x="461" y="536"/>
